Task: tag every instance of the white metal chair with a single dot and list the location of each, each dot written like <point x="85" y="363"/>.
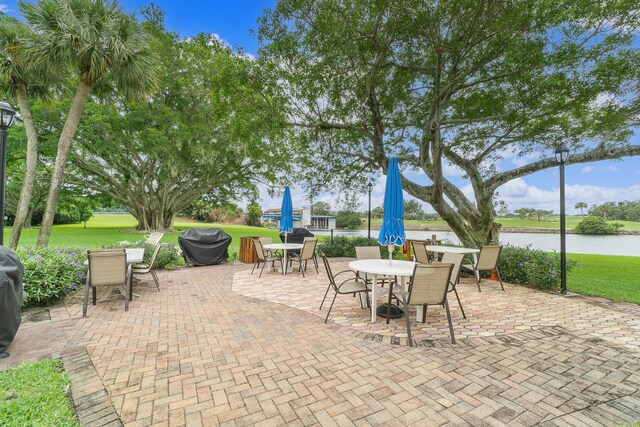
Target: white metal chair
<point x="149" y="268"/>
<point x="154" y="238"/>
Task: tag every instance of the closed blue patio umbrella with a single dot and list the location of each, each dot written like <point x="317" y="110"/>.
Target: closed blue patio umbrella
<point x="286" y="214"/>
<point x="392" y="230"/>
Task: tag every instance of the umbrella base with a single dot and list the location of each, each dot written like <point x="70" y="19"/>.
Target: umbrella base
<point x="395" y="312"/>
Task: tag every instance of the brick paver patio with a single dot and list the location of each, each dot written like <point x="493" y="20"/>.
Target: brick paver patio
<point x="220" y="347"/>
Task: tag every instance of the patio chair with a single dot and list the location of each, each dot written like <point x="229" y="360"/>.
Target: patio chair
<point x="370" y="252"/>
<point x="420" y="254"/>
<point x="306" y="253"/>
<point x="154" y="238"/>
<point x="487" y="261"/>
<point x="456" y="260"/>
<point x="107" y="267"/>
<point x="266" y="241"/>
<point x="149" y="268"/>
<point x="352" y="285"/>
<point x="262" y="257"/>
<point x="428" y="286"/>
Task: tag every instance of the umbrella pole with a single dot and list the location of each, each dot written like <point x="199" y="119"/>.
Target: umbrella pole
<point x="285" y="237"/>
<point x="390" y="247"/>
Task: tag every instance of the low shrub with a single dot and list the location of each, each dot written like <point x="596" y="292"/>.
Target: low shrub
<point x="531" y="267"/>
<point x="345" y="246"/>
<point x="596" y="225"/>
<point x="51" y="273"/>
<point x="169" y="255"/>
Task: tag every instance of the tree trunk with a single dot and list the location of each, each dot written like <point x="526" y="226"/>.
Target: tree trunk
<point x="155" y="221"/>
<point x="22" y="210"/>
<point x="64" y="144"/>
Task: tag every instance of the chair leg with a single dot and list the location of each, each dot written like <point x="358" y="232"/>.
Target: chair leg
<point x="93" y="293"/>
<point x="446" y="306"/>
<point x="254" y="265"/>
<point x="459" y="303"/>
<point x="499" y="278"/>
<point x="406" y="319"/>
<point x="315" y="262"/>
<point x="262" y="269"/>
<point x="127" y="289"/>
<point x="424" y="313"/>
<point x="476" y="274"/>
<point x="86" y="299"/>
<point x="155" y="278"/>
<point x="303" y="269"/>
<point x="325" y="296"/>
<point x="329" y="312"/>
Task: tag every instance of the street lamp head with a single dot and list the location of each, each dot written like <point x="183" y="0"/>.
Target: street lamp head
<point x="7" y="115"/>
<point x="562" y="154"/>
<point x="370" y="187"/>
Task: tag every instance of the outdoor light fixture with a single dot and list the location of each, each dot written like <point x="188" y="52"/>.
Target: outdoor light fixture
<point x="7" y="117"/>
<point x="370" y="187"/>
<point x="562" y="155"/>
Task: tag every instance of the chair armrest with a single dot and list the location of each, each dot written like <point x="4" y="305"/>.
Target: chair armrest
<point x="346" y="271"/>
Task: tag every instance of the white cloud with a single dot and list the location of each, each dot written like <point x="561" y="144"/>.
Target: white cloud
<point x="609" y="169"/>
<point x="4" y="8"/>
<point x="586" y="169"/>
<point x="518" y="194"/>
<point x="450" y="169"/>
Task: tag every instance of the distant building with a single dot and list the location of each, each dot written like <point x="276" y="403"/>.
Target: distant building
<point x="301" y="219"/>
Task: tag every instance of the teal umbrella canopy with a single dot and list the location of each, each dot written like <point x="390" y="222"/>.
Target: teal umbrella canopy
<point x="392" y="230"/>
<point x="286" y="212"/>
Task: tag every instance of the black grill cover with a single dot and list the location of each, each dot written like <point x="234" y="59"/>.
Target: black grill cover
<point x="204" y="246"/>
<point x="297" y="236"/>
<point x="11" y="271"/>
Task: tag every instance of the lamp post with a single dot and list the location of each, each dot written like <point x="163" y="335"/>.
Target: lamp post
<point x="7" y="117"/>
<point x="562" y="155"/>
<point x="370" y="188"/>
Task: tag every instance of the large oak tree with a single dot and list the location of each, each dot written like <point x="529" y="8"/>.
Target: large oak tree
<point x="460" y="82"/>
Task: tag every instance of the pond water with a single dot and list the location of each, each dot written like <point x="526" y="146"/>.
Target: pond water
<point x="576" y="243"/>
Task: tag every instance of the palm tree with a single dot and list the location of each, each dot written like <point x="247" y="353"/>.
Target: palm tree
<point x="23" y="78"/>
<point x="581" y="206"/>
<point x="106" y="49"/>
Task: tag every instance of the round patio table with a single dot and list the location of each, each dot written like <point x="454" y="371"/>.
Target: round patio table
<point x="376" y="267"/>
<point x="284" y="247"/>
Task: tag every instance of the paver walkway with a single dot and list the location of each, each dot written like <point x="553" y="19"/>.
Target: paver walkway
<point x="200" y="353"/>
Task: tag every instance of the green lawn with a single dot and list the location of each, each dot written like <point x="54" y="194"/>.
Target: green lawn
<point x="112" y="228"/>
<point x="552" y="222"/>
<point x="610" y="276"/>
<point x="36" y="394"/>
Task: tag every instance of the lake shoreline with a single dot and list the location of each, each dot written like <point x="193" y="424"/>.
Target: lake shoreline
<point x="534" y="230"/>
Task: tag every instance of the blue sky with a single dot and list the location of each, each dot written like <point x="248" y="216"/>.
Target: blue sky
<point x="232" y="21"/>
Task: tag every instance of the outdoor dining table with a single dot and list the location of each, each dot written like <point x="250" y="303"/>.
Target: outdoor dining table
<point x="383" y="267"/>
<point x="455" y="250"/>
<point x="284" y="247"/>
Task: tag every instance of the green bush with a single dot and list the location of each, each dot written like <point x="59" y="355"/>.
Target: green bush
<point x="51" y="273"/>
<point x="169" y="255"/>
<point x="531" y="267"/>
<point x="595" y="225"/>
<point x="345" y="246"/>
<point x="348" y="220"/>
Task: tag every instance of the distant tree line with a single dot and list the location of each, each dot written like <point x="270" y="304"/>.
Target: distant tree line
<point x="530" y="213"/>
<point x="620" y="211"/>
